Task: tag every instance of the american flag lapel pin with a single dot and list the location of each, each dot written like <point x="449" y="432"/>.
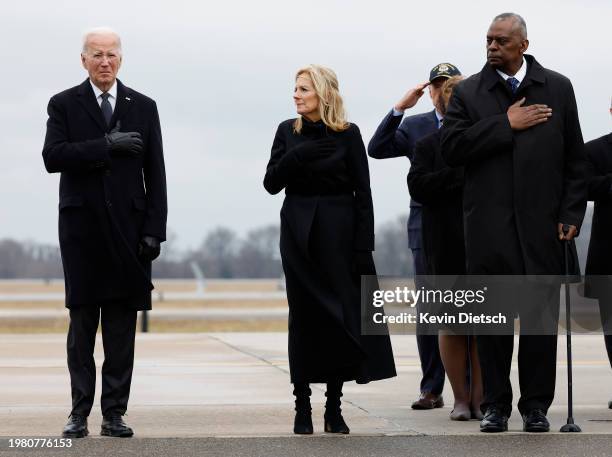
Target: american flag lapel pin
<point x="128" y="99"/>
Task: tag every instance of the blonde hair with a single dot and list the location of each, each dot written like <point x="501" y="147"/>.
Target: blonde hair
<point x="447" y="90"/>
<point x="331" y="106"/>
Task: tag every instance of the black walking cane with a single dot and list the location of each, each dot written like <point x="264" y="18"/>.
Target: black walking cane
<point x="569" y="426"/>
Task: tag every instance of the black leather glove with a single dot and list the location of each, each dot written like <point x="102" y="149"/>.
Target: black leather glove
<point x="309" y="151"/>
<point x="148" y="248"/>
<point x="363" y="263"/>
<point x="123" y="144"/>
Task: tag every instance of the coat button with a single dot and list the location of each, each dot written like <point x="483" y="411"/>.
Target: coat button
<point x="107" y="173"/>
<point x="109" y="203"/>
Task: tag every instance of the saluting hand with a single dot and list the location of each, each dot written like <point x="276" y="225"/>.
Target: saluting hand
<point x="524" y="117"/>
<point x="411" y="97"/>
<point x="123" y="143"/>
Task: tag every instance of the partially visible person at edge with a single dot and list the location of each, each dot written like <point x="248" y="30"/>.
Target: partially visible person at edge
<point x="599" y="259"/>
<point x="105" y="140"/>
<point x="439" y="188"/>
<point x="514" y="127"/>
<point x="396" y="136"/>
<point x="327" y="239"/>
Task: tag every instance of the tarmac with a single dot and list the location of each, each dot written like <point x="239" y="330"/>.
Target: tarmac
<point x="229" y="394"/>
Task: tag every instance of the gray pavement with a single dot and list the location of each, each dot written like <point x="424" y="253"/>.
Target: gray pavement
<point x="223" y="392"/>
<point x="337" y="446"/>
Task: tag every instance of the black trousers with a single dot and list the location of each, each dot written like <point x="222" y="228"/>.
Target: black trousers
<point x="537" y="366"/>
<point x="118" y="336"/>
<point x="427" y="343"/>
<point x="537" y="306"/>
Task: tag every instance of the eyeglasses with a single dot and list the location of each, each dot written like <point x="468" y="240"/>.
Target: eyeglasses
<point x="99" y="57"/>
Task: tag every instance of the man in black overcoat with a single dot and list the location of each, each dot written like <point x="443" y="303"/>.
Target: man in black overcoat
<point x="396" y="136"/>
<point x="105" y="140"/>
<point x="599" y="264"/>
<point x="514" y="126"/>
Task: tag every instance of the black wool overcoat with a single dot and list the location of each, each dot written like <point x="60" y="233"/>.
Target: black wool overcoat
<point x="599" y="258"/>
<point x="106" y="204"/>
<point x="326" y="217"/>
<point x="439" y="189"/>
<point x="518" y="184"/>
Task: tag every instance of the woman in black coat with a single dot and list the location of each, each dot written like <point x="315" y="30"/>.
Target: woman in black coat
<point x="599" y="262"/>
<point x="440" y="190"/>
<point x="327" y="239"/>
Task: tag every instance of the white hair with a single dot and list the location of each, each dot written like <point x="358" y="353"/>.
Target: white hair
<point x="99" y="31"/>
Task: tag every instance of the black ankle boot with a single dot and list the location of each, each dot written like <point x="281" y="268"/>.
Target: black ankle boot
<point x="303" y="411"/>
<point x="334" y="422"/>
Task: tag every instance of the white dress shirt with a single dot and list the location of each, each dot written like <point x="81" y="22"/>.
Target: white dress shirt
<point x="520" y="74"/>
<point x="112" y="99"/>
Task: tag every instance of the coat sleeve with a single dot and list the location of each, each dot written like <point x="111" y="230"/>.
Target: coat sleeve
<point x="599" y="182"/>
<point x="59" y="154"/>
<point x="364" y="209"/>
<point x="466" y="140"/>
<point x="574" y="199"/>
<point x="281" y="166"/>
<point x="428" y="185"/>
<point x="154" y="172"/>
<point x="391" y="139"/>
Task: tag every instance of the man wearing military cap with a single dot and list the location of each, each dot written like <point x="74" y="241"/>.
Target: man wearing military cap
<point x="396" y="137"/>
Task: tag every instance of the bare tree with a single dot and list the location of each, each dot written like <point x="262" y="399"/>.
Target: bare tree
<point x="258" y="256"/>
<point x="392" y="255"/>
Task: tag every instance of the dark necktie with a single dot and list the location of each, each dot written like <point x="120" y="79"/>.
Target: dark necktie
<point x="513" y="83"/>
<point x="107" y="109"/>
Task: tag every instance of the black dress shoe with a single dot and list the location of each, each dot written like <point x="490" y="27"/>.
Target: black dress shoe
<point x="113" y="425"/>
<point x="76" y="427"/>
<point x="427" y="400"/>
<point x="535" y="421"/>
<point x="494" y="421"/>
<point x="334" y="423"/>
<point x="303" y="423"/>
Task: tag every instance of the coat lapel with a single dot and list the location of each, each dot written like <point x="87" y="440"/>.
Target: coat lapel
<point x="124" y="102"/>
<point x="86" y="97"/>
<point x="434" y="119"/>
<point x="495" y="83"/>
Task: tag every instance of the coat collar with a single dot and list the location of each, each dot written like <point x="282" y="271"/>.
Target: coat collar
<point x="309" y="127"/>
<point x="87" y="98"/>
<point x="535" y="73"/>
<point x="433" y="117"/>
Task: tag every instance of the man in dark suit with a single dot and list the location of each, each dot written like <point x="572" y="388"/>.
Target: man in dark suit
<point x="599" y="265"/>
<point x="105" y="140"/>
<point x="395" y="137"/>
<point x="514" y="127"/>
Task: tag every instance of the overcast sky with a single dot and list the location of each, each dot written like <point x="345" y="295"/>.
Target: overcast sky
<point x="222" y="75"/>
